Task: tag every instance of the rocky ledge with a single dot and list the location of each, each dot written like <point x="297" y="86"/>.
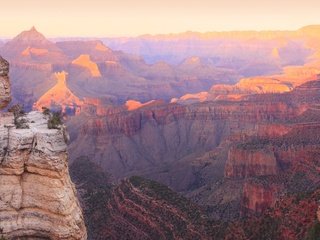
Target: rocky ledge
<point x="37" y="197"/>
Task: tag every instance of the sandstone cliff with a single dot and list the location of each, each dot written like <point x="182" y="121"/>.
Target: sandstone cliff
<point x="37" y="198"/>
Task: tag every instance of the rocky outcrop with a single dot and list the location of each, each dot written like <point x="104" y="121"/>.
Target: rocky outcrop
<point x="37" y="198"/>
<point x="60" y="97"/>
<point x="5" y="96"/>
<point x="85" y="62"/>
<point x="134" y="105"/>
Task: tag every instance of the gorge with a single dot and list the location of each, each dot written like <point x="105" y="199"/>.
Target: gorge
<point x="219" y="145"/>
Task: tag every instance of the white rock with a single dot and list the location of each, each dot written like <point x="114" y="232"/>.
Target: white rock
<point x="37" y="197"/>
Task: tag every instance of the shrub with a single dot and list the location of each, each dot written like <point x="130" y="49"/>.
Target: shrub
<point x="45" y="111"/>
<point x="55" y="120"/>
<point x="18" y="112"/>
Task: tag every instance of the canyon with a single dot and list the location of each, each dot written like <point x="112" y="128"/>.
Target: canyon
<point x="232" y="129"/>
<point x="244" y="158"/>
<point x="95" y="70"/>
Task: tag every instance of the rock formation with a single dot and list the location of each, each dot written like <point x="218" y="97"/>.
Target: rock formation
<point x="5" y="96"/>
<point x="37" y="198"/>
<point x="244" y="163"/>
<point x="85" y="62"/>
<point x="31" y="46"/>
<point x="59" y="97"/>
<point x="134" y="105"/>
<point x="258" y="197"/>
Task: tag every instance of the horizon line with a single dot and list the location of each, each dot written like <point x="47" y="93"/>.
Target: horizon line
<point x="161" y="34"/>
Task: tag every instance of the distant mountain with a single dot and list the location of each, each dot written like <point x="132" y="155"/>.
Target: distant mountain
<point x="311" y="30"/>
<point x="32" y="46"/>
<point x="238" y="49"/>
<point x="94" y="70"/>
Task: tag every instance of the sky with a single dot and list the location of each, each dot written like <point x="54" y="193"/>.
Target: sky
<point x="101" y="18"/>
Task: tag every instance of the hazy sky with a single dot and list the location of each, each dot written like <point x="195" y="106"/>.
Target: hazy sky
<point x="135" y="17"/>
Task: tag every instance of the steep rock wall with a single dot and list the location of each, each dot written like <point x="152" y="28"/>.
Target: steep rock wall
<point x="243" y="163"/>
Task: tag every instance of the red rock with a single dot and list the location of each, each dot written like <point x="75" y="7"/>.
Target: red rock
<point x="244" y="163"/>
<point x="257" y="197"/>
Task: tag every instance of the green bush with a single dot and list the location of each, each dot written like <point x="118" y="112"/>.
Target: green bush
<point x="55" y="120"/>
<point x="45" y="111"/>
<point x="18" y="113"/>
<point x="17" y="110"/>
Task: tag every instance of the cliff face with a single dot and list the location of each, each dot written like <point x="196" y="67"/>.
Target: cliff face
<point x="5" y="97"/>
<point x="257" y="197"/>
<point x="250" y="163"/>
<point x="37" y="197"/>
<point x="126" y="141"/>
